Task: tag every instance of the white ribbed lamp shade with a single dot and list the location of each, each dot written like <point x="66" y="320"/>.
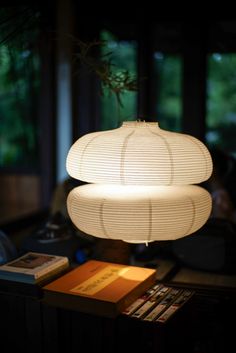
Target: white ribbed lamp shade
<point x="142" y="175"/>
<point x="139" y="213"/>
<point x="139" y="153"/>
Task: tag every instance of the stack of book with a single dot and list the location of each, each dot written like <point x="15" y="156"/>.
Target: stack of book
<point x="159" y="303"/>
<point x="108" y="289"/>
<point x="96" y="287"/>
<point x="27" y="274"/>
<point x="99" y="288"/>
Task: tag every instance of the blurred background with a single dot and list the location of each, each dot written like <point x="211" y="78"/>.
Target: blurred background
<point x="181" y="74"/>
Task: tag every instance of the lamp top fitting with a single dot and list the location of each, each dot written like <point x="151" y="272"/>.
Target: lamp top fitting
<point x="139" y="123"/>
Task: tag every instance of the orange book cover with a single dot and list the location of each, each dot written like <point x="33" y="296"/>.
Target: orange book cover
<point x="99" y="288"/>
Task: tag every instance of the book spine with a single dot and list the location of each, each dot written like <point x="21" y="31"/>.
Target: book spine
<point x="53" y="273"/>
<point x="150" y="303"/>
<point x="162" y="305"/>
<point x="138" y="302"/>
<point x="57" y="264"/>
<point x="176" y="305"/>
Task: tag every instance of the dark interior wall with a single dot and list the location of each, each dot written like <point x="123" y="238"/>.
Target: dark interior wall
<point x="26" y="189"/>
<point x="191" y="39"/>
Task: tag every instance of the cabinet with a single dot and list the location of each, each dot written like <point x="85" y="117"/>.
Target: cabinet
<point x="27" y="324"/>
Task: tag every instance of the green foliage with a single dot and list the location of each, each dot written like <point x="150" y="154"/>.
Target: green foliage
<point x="115" y="67"/>
<point x="117" y="70"/>
<point x="122" y="56"/>
<point x="221" y="102"/>
<point x="115" y="81"/>
<point x="19" y="86"/>
<point x="168" y="92"/>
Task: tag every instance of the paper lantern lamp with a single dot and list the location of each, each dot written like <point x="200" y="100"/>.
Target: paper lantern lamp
<point x="141" y="179"/>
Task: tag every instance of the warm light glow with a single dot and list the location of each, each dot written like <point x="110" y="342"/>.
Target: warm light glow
<point x="139" y="213"/>
<point x="139" y="153"/>
<point x="142" y="177"/>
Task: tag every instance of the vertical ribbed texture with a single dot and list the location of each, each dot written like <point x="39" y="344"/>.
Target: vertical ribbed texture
<point x="205" y="155"/>
<point x="142" y="179"/>
<point x="191" y="224"/>
<point x="139" y="154"/>
<point x="102" y="219"/>
<point x="149" y="237"/>
<point x="139" y="214"/>
<point x="170" y="158"/>
<point x="122" y="159"/>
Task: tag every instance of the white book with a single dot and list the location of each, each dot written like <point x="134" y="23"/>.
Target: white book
<point x="177" y="304"/>
<point x="139" y="302"/>
<point x="33" y="267"/>
<point x="163" y="304"/>
<point x="151" y="302"/>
